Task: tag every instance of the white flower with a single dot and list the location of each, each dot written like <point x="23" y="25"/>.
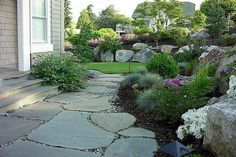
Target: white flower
<point x="194" y="123"/>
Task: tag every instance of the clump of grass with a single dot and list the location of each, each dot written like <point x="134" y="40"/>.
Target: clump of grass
<point x="149" y="80"/>
<point x="142" y="70"/>
<point x="147" y="100"/>
<point x="131" y="79"/>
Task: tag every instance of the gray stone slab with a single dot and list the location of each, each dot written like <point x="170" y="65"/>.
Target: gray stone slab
<point x="132" y="147"/>
<point x="90" y="105"/>
<point x="109" y="79"/>
<point x="99" y="90"/>
<point x="137" y="132"/>
<point x="72" y="130"/>
<point x="30" y="149"/>
<point x="100" y="83"/>
<point x="67" y="98"/>
<point x="13" y="128"/>
<point x="110" y="76"/>
<point x="113" y="122"/>
<point x="39" y="111"/>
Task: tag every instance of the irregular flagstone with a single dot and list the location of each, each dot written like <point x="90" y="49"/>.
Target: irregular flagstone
<point x="13" y="128"/>
<point x="100" y="83"/>
<point x="132" y="147"/>
<point x="39" y="111"/>
<point x="113" y="122"/>
<point x="109" y="79"/>
<point x="99" y="90"/>
<point x="72" y="130"/>
<point x="110" y="76"/>
<point x="137" y="132"/>
<point x="91" y="105"/>
<point x="67" y="98"/>
<point x="30" y="149"/>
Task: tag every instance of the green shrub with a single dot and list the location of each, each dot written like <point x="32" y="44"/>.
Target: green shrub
<point x="141" y="31"/>
<point x="164" y="65"/>
<point x="187" y="68"/>
<point x="131" y="79"/>
<point x="212" y="70"/>
<point x="107" y="33"/>
<point x="182" y="57"/>
<point x="61" y="70"/>
<point x="111" y="44"/>
<point x="82" y="49"/>
<point x="228" y="39"/>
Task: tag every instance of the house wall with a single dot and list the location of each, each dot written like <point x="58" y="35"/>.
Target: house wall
<point x="57" y="24"/>
<point x="8" y="34"/>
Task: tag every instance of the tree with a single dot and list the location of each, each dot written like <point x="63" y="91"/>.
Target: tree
<point x="110" y="17"/>
<point x="84" y="19"/>
<point x="67" y="14"/>
<point x="216" y="19"/>
<point x="198" y="20"/>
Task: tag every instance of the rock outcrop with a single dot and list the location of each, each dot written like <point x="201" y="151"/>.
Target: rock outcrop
<point x="143" y="56"/>
<point x="108" y="56"/>
<point x="167" y="48"/>
<point x="140" y="46"/>
<point x="124" y="55"/>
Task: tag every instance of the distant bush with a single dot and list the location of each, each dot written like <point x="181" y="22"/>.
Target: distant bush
<point x="107" y="33"/>
<point x="60" y="70"/>
<point x="141" y="31"/>
<point x="228" y="39"/>
<point x="164" y="65"/>
<point x="111" y="44"/>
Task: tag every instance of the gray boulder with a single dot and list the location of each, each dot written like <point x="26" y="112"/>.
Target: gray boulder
<point x="143" y="56"/>
<point x="203" y="34"/>
<point x="108" y="56"/>
<point x="167" y="48"/>
<point x="220" y="134"/>
<point x="139" y="46"/>
<point x="183" y="48"/>
<point x="97" y="54"/>
<point x="124" y="55"/>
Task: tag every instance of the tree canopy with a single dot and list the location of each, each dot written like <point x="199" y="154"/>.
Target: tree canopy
<point x="67" y="14"/>
<point x="84" y="19"/>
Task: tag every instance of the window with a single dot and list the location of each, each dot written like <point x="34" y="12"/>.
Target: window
<point x="39" y="20"/>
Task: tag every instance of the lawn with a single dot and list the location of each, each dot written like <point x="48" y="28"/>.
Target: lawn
<point x="113" y="67"/>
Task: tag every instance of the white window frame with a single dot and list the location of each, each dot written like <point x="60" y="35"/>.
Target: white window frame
<point x="43" y="46"/>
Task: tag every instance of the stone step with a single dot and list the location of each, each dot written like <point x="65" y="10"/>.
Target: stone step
<point x="14" y="86"/>
<point x="30" y="95"/>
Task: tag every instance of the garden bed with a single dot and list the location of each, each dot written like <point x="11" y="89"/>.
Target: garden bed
<point x="165" y="132"/>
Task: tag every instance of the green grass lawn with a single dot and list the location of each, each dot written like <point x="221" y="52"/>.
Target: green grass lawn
<point x="113" y="67"/>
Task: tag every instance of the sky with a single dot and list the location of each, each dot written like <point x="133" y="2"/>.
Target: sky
<point x="123" y="6"/>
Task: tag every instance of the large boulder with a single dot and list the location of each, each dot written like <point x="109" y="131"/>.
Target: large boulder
<point x="139" y="46"/>
<point x="143" y="56"/>
<point x="167" y="48"/>
<point x="187" y="48"/>
<point x="209" y="50"/>
<point x="108" y="56"/>
<point x="203" y="34"/>
<point x="220" y="134"/>
<point x="124" y="55"/>
<point x="97" y="54"/>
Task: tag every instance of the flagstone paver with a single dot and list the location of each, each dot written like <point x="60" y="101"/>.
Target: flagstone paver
<point x="72" y="130"/>
<point x="132" y="147"/>
<point x="39" y="111"/>
<point x="137" y="132"/>
<point x="12" y="128"/>
<point x="30" y="149"/>
<point x="113" y="121"/>
<point x="90" y="105"/>
<point x="76" y="124"/>
<point x="67" y="98"/>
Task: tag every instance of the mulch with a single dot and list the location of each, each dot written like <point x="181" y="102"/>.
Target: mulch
<point x="165" y="131"/>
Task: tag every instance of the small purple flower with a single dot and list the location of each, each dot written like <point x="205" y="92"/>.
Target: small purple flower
<point x="175" y="82"/>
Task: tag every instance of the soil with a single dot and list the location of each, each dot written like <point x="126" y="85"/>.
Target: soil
<point x="165" y="131"/>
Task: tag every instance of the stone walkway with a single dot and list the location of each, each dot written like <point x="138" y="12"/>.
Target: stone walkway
<point x="80" y="124"/>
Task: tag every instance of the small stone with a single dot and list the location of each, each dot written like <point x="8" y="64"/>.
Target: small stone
<point x="132" y="147"/>
<point x="91" y="105"/>
<point x="137" y="132"/>
<point x="113" y="122"/>
<point x="140" y="46"/>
